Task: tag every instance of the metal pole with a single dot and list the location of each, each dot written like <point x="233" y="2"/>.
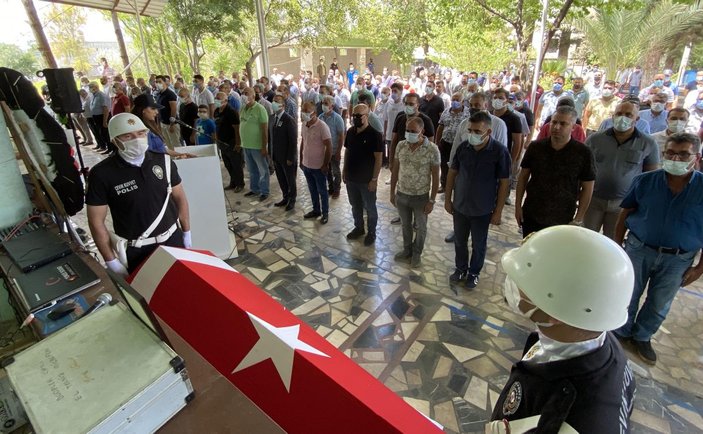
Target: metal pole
<point x="262" y="37"/>
<point x="141" y="37"/>
<point x="540" y="54"/>
<point x="684" y="63"/>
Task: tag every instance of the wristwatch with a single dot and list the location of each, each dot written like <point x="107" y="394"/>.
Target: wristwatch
<point x="172" y="120"/>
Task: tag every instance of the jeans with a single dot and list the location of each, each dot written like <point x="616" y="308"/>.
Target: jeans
<point x="663" y="272"/>
<point x="445" y="149"/>
<point x="410" y="207"/>
<point x="233" y="163"/>
<point x="286" y="180"/>
<point x="334" y="175"/>
<point x="172" y="139"/>
<point x="317" y="184"/>
<point x="258" y="171"/>
<point x="477" y="227"/>
<point x="602" y="213"/>
<point x="360" y="199"/>
<point x="634" y="90"/>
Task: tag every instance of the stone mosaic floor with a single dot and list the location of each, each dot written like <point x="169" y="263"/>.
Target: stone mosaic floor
<point x="446" y="350"/>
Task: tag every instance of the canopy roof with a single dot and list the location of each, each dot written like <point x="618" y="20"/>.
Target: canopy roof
<point x="148" y="8"/>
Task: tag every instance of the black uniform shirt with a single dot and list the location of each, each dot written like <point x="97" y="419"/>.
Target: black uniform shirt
<point x="593" y="392"/>
<point x="360" y="158"/>
<point x="225" y="119"/>
<point x="135" y="195"/>
<point x="433" y="108"/>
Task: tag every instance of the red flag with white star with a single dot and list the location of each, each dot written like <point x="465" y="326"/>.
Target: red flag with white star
<point x="293" y="374"/>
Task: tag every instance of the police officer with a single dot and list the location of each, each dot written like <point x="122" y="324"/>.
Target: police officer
<point x="134" y="185"/>
<point x="575" y="285"/>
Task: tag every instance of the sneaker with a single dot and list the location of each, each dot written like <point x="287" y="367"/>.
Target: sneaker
<point x="249" y="194"/>
<point x="449" y="238"/>
<point x="395" y="221"/>
<point x="312" y="215"/>
<point x="646" y="352"/>
<point x="457" y="276"/>
<point x="238" y="189"/>
<point x="324" y="219"/>
<point x="403" y="256"/>
<point x="416" y="261"/>
<point x="369" y="239"/>
<point x="472" y="281"/>
<point x="263" y="197"/>
<point x="355" y="233"/>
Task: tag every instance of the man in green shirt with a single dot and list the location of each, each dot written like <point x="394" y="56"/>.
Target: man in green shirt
<point x="253" y="130"/>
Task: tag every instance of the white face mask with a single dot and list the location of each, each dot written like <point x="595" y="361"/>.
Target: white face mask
<point x="133" y="149"/>
<point x="409" y="110"/>
<point x="658" y="107"/>
<point x="412" y="137"/>
<point x="498" y="103"/>
<point x="218" y="103"/>
<point x="607" y="93"/>
<point x="203" y="115"/>
<point x="622" y="123"/>
<point x="245" y="99"/>
<point x="677" y="126"/>
<point x="160" y="86"/>
<point x="512" y="295"/>
<point x="359" y="87"/>
<point x="676" y="168"/>
<point x="429" y="90"/>
<point x="475" y="139"/>
<point x="306" y="116"/>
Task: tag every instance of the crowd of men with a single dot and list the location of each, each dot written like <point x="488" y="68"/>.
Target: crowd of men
<point x="594" y="161"/>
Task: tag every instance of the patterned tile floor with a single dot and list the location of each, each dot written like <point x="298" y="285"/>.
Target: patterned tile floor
<point x="446" y="350"/>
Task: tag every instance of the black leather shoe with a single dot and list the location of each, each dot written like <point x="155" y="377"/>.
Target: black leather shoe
<point x="324" y="219"/>
<point x="312" y="215"/>
<point x="355" y="233"/>
<point x="284" y="202"/>
<point x="290" y="205"/>
<point x="249" y="194"/>
<point x="646" y="352"/>
<point x="263" y="197"/>
<point x="369" y="239"/>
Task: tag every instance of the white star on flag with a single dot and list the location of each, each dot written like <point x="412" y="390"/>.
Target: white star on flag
<point x="277" y="344"/>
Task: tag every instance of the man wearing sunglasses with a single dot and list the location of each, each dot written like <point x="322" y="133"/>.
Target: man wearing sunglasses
<point x="662" y="212"/>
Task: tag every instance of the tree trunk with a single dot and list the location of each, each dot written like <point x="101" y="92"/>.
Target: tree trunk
<point x="120" y="42"/>
<point x="248" y="67"/>
<point x="564" y="44"/>
<point x="42" y="42"/>
<point x="195" y="60"/>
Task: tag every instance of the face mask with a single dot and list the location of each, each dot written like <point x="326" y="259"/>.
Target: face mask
<point x="325" y="108"/>
<point x="357" y="121"/>
<point x="622" y="123"/>
<point x="456" y="105"/>
<point x="658" y="83"/>
<point x="557" y="87"/>
<point x="134" y="149"/>
<point x="412" y="137"/>
<point x="677" y="126"/>
<point x="409" y="110"/>
<point x="493" y="86"/>
<point x="306" y="117"/>
<point x="498" y="104"/>
<point x="203" y="115"/>
<point x="275" y="106"/>
<point x="395" y="97"/>
<point x="473" y="111"/>
<point x="471" y="81"/>
<point x="429" y="90"/>
<point x="676" y="168"/>
<point x="658" y="107"/>
<point x="218" y="103"/>
<point x="245" y="99"/>
<point x="475" y="139"/>
<point x="359" y="87"/>
<point x="512" y="295"/>
<point x="607" y="93"/>
<point x="160" y="86"/>
<point x="196" y="85"/>
<point x="699" y="105"/>
<point x="384" y="97"/>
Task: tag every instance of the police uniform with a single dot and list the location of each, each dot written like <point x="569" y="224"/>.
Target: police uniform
<point x="135" y="196"/>
<point x="592" y="393"/>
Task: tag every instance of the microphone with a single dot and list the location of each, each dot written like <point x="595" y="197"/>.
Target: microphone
<point x="103" y="299"/>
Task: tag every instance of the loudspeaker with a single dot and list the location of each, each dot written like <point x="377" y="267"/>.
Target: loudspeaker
<point x="63" y="90"/>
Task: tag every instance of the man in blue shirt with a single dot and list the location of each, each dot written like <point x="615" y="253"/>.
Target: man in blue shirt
<point x="479" y="178"/>
<point x="337" y="130"/>
<point x="662" y="212"/>
<point x="656" y="116"/>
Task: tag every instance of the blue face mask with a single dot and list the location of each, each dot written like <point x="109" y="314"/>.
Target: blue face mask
<point x="557" y="87"/>
<point x="658" y="83"/>
<point x="699" y="104"/>
<point x="456" y="105"/>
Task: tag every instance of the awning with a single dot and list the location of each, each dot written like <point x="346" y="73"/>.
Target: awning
<point x="148" y="8"/>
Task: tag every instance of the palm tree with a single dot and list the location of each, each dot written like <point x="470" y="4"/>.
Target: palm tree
<point x="626" y="37"/>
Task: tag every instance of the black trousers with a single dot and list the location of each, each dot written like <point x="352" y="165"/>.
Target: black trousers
<point x="102" y="136"/>
<point x="445" y="149"/>
<point x="286" y="176"/>
<point x="135" y="256"/>
<point x="234" y="162"/>
<point x="529" y="226"/>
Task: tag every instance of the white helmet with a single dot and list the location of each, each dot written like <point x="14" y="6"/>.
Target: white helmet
<point x="575" y="275"/>
<point x="124" y="123"/>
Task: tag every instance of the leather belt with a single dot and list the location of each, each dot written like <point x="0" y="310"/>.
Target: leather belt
<point x="667" y="250"/>
<point x="154" y="240"/>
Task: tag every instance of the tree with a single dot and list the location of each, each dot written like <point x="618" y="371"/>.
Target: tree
<point x="38" y="30"/>
<point x="12" y="56"/>
<point x="67" y="39"/>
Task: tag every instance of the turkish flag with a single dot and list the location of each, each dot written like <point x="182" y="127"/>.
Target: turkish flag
<point x="293" y="374"/>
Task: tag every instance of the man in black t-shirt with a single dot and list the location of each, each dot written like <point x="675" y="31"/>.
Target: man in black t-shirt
<point x="363" y="156"/>
<point x="187" y="114"/>
<point x="558" y="174"/>
<point x="227" y="124"/>
<point x="432" y="104"/>
<point x="168" y="99"/>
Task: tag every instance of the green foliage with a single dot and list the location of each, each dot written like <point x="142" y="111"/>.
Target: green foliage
<point x="24" y="61"/>
<point x="63" y="29"/>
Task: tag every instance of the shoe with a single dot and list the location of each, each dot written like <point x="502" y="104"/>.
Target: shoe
<point x="335" y="195"/>
<point x="330" y="191"/>
<point x="290" y="205"/>
<point x="230" y="187"/>
<point x="449" y="238"/>
<point x="369" y="239"/>
<point x="98" y="148"/>
<point x="441" y="190"/>
<point x="324" y="219"/>
<point x="263" y="197"/>
<point x="355" y="233"/>
<point x="416" y="261"/>
<point x="238" y="189"/>
<point x="395" y="221"/>
<point x="472" y="281"/>
<point x="624" y="340"/>
<point x="249" y="194"/>
<point x="457" y="276"/>
<point x="312" y="215"/>
<point x="279" y="204"/>
<point x="106" y="152"/>
<point x="646" y="352"/>
<point x="508" y="200"/>
<point x="403" y="256"/>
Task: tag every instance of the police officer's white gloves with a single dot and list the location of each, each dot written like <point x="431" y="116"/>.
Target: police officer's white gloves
<point x="187" y="242"/>
<point x="116" y="267"/>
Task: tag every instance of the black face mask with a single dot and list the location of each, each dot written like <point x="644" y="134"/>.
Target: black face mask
<point x="473" y="111"/>
<point x="358" y="121"/>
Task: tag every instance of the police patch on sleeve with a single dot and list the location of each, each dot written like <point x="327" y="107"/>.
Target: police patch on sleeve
<point x="512" y="401"/>
<point x="158" y="171"/>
